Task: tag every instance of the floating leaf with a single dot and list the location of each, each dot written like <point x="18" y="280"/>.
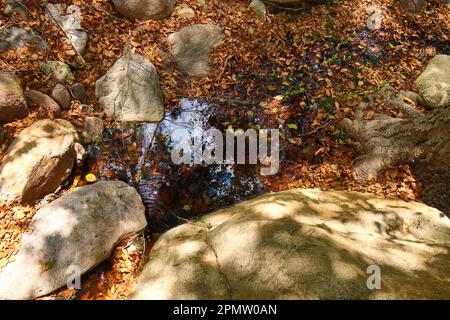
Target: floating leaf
<point x="90" y="177"/>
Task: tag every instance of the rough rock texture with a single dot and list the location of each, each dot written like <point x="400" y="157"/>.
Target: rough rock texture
<point x="375" y="17"/>
<point x="60" y="70"/>
<point x="303" y="244"/>
<point x="40" y="100"/>
<point x="79" y="229"/>
<point x="16" y="38"/>
<point x="434" y="83"/>
<point x="71" y="24"/>
<point x="259" y="8"/>
<point x="190" y="48"/>
<point x="93" y="129"/>
<point x="79" y="92"/>
<point x="130" y="90"/>
<point x="2" y="137"/>
<point x="36" y="162"/>
<point x="15" y="6"/>
<point x="145" y="9"/>
<point x="413" y="6"/>
<point x="12" y="101"/>
<point x="184" y="11"/>
<point x="421" y="139"/>
<point x="62" y="96"/>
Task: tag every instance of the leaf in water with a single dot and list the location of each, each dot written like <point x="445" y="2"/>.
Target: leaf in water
<point x="90" y="177"/>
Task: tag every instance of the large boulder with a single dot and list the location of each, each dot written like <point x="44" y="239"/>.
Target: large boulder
<point x="36" y="162"/>
<point x="304" y="244"/>
<point x="130" y="90"/>
<point x="190" y="47"/>
<point x="75" y="232"/>
<point x="434" y="83"/>
<point x="145" y="9"/>
<point x="12" y="101"/>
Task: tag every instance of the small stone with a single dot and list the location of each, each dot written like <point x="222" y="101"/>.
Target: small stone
<point x="79" y="92"/>
<point x="62" y="96"/>
<point x="375" y="19"/>
<point x="259" y="8"/>
<point x="60" y="70"/>
<point x="184" y="11"/>
<point x="40" y="100"/>
<point x="93" y="129"/>
<point x="145" y="9"/>
<point x="190" y="47"/>
<point x="202" y="4"/>
<point x="86" y="108"/>
<point x="81" y="153"/>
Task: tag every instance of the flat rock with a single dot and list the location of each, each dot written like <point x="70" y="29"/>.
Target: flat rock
<point x="12" y="100"/>
<point x="78" y="230"/>
<point x="434" y="82"/>
<point x="304" y="244"/>
<point x="130" y="91"/>
<point x="36" y="162"/>
<point x="144" y="9"/>
<point x="190" y="47"/>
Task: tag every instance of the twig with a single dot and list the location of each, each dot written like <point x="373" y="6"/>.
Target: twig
<point x="67" y="36"/>
<point x="316" y="129"/>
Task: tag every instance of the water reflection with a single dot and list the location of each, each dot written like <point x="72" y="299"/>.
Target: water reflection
<point x="140" y="155"/>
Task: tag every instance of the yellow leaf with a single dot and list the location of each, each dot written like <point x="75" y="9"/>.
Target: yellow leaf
<point x="90" y="177"/>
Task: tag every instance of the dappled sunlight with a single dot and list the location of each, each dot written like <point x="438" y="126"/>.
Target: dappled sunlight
<point x="273" y="247"/>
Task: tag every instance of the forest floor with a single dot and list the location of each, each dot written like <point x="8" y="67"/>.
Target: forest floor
<point x="320" y="59"/>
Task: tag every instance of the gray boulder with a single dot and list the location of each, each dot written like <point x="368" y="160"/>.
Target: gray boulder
<point x="36" y="162"/>
<point x="130" y="90"/>
<point x="190" y="47"/>
<point x="145" y="9"/>
<point x="74" y="233"/>
<point x="12" y="101"/>
<point x="434" y="83"/>
<point x="304" y="244"/>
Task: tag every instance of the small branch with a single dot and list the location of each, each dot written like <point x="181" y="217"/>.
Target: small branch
<point x="67" y="36"/>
